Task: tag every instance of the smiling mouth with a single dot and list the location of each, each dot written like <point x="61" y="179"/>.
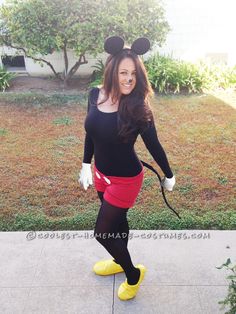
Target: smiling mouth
<point x="127" y="85"/>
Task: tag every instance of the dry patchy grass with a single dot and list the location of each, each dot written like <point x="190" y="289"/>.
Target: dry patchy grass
<point x="42" y="149"/>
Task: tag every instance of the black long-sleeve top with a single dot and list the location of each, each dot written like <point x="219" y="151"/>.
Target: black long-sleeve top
<point x="111" y="156"/>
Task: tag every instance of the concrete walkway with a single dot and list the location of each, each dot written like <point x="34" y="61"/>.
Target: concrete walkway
<point x="51" y="272"/>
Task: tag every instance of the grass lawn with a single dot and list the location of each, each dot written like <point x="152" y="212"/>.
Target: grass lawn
<point x="41" y="144"/>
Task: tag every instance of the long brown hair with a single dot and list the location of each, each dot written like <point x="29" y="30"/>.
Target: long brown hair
<point x="134" y="110"/>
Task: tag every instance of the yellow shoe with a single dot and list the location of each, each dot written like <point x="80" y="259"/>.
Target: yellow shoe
<point x="126" y="291"/>
<point x="108" y="267"/>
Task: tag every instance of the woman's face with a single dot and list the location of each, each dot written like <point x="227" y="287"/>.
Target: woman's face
<point x="126" y="76"/>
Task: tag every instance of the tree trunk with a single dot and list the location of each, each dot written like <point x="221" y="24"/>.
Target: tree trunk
<point x="67" y="75"/>
<point x="57" y="75"/>
<point x="75" y="67"/>
<point x="65" y="60"/>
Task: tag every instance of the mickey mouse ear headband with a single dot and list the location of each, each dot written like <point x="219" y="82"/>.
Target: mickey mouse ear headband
<point x="113" y="45"/>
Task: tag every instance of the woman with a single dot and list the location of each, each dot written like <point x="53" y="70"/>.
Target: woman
<point x="117" y="113"/>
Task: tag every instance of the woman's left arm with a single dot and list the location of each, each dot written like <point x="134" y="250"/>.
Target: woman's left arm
<point x="151" y="141"/>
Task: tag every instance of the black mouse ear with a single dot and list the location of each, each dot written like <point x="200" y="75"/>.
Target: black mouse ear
<point x="140" y="46"/>
<point x="113" y="45"/>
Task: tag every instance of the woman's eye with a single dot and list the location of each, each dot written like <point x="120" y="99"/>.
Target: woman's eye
<point x="125" y="73"/>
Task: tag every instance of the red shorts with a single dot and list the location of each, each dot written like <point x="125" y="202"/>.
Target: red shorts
<point x="118" y="191"/>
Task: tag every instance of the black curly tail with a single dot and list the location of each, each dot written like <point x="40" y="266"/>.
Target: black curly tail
<point x="162" y="189"/>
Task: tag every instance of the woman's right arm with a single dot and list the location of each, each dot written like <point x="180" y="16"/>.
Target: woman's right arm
<point x="85" y="178"/>
<point x="88" y="149"/>
<point x="88" y="142"/>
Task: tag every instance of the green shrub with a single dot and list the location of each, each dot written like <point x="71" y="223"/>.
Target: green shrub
<point x="97" y="76"/>
<point x="230" y="299"/>
<point x="170" y="75"/>
<point x="218" y="76"/>
<point x="5" y="78"/>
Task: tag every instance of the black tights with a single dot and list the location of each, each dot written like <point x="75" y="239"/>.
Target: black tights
<point x="112" y="231"/>
<point x="123" y="226"/>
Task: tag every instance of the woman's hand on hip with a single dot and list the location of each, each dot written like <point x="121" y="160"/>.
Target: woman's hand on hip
<point x="85" y="176"/>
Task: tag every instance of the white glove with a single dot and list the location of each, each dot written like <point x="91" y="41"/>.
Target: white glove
<point x="85" y="176"/>
<point x="168" y="183"/>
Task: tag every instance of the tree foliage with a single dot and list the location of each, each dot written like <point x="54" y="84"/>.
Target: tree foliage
<point x="40" y="27"/>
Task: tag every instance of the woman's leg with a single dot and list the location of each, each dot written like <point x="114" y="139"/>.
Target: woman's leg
<point x="100" y="195"/>
<point x="107" y="233"/>
<point x="123" y="228"/>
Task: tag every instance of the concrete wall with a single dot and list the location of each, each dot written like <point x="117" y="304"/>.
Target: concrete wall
<point x="57" y="60"/>
<point x="200" y="29"/>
